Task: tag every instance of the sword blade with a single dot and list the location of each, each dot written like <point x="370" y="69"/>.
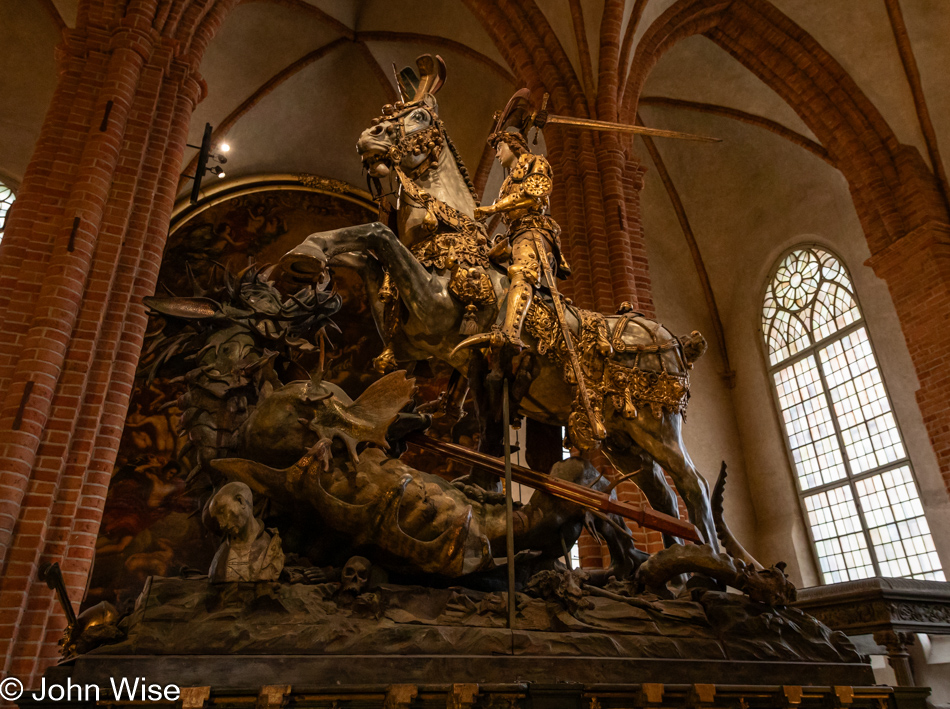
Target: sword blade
<point x="592" y="124"/>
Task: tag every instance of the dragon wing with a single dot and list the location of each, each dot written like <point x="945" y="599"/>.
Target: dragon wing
<point x="376" y="408"/>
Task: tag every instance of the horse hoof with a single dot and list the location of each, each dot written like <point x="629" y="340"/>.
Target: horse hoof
<point x="303" y="269"/>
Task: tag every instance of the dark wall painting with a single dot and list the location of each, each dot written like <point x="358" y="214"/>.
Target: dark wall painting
<point x="152" y="523"/>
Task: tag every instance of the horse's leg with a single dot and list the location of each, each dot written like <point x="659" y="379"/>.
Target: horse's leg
<point x="662" y="439"/>
<point x="371" y="274"/>
<point x="429" y="301"/>
<point x="555" y="520"/>
<point x="307" y="262"/>
<point x="628" y="458"/>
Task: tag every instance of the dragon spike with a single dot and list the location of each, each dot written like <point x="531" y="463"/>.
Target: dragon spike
<point x="246" y="275"/>
<point x="726" y="538"/>
<point x="317" y="376"/>
<point x="196" y="288"/>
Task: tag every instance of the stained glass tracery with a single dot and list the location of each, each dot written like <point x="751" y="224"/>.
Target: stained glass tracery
<point x="6" y="199"/>
<point x="858" y="491"/>
<point x="809" y="298"/>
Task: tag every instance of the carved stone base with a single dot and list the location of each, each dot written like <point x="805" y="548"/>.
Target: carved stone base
<point x="715" y="632"/>
<point x="376" y="671"/>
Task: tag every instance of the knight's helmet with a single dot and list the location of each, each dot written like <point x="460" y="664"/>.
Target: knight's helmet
<point x="513" y="123"/>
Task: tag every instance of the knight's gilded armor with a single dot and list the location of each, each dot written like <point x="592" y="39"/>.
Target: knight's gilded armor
<point x="523" y="203"/>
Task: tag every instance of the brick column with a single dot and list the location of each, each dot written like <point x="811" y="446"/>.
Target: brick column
<point x="917" y="271"/>
<point x="597" y="179"/>
<point x="597" y="203"/>
<point x="83" y="244"/>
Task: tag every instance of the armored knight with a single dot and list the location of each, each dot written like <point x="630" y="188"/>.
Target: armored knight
<point x="523" y="203"/>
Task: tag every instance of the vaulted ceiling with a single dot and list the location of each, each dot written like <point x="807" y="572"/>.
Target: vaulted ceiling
<point x="291" y="83"/>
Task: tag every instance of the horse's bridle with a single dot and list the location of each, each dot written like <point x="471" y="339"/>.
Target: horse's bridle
<point x="430" y="139"/>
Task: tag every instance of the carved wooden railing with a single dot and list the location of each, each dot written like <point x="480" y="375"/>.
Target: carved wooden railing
<point x="892" y="610"/>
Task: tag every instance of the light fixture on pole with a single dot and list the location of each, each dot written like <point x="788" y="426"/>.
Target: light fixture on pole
<point x="204" y="155"/>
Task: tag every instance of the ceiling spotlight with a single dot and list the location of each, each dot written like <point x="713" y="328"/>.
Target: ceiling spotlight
<point x="220" y="174"/>
<point x="224" y="147"/>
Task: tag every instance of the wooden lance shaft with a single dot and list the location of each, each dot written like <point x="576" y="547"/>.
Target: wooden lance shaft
<point x="541" y="118"/>
<point x="562" y="489"/>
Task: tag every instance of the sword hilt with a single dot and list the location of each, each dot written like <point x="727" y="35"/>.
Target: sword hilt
<point x="540" y="118"/>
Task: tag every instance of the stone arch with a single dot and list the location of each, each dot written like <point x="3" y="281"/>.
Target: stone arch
<point x="893" y="189"/>
<point x="896" y="195"/>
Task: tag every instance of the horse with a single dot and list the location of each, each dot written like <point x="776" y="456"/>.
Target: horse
<point x="434" y="283"/>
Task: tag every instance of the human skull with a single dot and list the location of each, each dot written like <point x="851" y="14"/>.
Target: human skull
<point x="355" y="576"/>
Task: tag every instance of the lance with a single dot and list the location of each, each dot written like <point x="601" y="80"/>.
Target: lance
<point x="597" y="429"/>
<point x="562" y="489"/>
<point x="542" y="118"/>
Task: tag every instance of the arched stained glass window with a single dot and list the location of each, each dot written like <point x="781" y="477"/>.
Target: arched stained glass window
<point x="6" y="199"/>
<point x="855" y="480"/>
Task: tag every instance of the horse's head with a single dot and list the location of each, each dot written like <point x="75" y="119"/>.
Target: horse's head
<point x="409" y="136"/>
<point x="409" y="133"/>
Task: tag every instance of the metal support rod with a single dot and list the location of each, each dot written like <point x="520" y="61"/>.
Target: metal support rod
<point x="509" y="510"/>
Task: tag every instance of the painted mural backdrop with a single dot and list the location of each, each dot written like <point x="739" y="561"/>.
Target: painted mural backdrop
<point x="152" y="519"/>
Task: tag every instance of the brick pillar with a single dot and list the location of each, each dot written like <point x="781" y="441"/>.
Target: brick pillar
<point x="597" y="180"/>
<point x="596" y="201"/>
<point x="83" y="245"/>
<point x="917" y="271"/>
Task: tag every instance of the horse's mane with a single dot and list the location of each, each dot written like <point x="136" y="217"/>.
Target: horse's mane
<point x="461" y="166"/>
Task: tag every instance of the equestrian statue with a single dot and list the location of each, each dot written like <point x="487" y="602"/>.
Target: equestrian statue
<point x="617" y="382"/>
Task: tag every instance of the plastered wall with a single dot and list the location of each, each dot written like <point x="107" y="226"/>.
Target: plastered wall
<point x="746" y="212"/>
